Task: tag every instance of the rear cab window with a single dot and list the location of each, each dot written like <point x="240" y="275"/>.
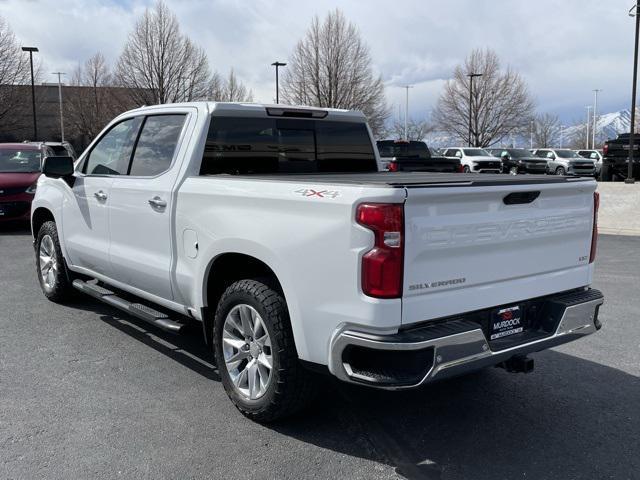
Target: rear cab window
<point x="255" y="145"/>
<point x="413" y="149"/>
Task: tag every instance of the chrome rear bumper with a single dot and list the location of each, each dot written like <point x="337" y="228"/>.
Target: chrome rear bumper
<point x="460" y="345"/>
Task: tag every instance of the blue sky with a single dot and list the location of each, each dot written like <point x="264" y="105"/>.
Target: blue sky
<point x="564" y="49"/>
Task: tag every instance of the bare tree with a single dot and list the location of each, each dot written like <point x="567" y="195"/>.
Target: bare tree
<point x="546" y="130"/>
<point x="416" y="130"/>
<point x="94" y="101"/>
<point x="160" y="64"/>
<point x="14" y="70"/>
<point x="331" y="67"/>
<point x="228" y="89"/>
<point x="500" y="103"/>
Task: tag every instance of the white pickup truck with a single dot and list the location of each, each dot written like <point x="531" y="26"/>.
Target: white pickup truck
<point x="272" y="226"/>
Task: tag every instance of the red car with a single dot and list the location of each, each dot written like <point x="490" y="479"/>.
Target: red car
<point x="20" y="165"/>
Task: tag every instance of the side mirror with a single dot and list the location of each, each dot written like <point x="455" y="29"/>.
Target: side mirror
<point x="57" y="167"/>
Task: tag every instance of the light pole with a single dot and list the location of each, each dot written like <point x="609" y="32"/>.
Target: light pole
<point x="33" y="90"/>
<point x="60" y="102"/>
<point x="588" y="107"/>
<point x="595" y="117"/>
<point x="406" y="111"/>
<point x="277" y="65"/>
<point x="634" y="12"/>
<point x="531" y="134"/>
<point x="471" y="77"/>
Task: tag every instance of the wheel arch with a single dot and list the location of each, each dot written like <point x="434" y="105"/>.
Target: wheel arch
<point x="39" y="217"/>
<point x="221" y="272"/>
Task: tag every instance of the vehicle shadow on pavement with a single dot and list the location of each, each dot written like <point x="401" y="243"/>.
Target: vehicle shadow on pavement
<point x="188" y="348"/>
<point x="555" y="423"/>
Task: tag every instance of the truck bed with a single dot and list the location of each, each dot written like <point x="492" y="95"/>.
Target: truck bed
<point x="412" y="179"/>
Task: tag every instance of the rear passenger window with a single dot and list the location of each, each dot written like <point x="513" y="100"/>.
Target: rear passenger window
<point x="156" y="145"/>
<point x="237" y="145"/>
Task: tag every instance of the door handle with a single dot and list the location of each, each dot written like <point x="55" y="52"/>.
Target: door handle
<point x="100" y="195"/>
<point x="157" y="202"/>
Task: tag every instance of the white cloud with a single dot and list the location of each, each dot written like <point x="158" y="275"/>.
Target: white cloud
<point x="563" y="49"/>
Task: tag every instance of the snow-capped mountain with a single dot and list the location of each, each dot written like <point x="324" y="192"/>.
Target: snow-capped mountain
<point x="609" y="125"/>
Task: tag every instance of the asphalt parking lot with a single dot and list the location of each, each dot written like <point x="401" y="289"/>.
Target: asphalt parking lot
<point x="87" y="392"/>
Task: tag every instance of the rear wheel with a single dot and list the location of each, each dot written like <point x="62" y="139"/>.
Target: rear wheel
<point x="560" y="171"/>
<point x="256" y="354"/>
<point x="53" y="275"/>
<point x="605" y="173"/>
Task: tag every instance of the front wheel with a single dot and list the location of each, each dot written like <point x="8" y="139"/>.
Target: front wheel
<point x="560" y="171"/>
<point x="513" y="171"/>
<point x="256" y="354"/>
<point x="53" y="275"/>
<point x="466" y="169"/>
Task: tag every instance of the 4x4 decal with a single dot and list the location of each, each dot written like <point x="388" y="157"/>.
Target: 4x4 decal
<point x="310" y="192"/>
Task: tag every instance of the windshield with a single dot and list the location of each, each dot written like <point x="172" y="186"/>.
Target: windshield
<point x="518" y="153"/>
<point x="404" y="149"/>
<point x="59" y="150"/>
<point x="19" y="161"/>
<point x="567" y="154"/>
<point x="476" y="152"/>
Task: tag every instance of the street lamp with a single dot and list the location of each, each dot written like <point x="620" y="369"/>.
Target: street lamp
<point x="471" y="77"/>
<point x="60" y="102"/>
<point x="406" y="112"/>
<point x="588" y="107"/>
<point x="277" y="65"/>
<point x="531" y="134"/>
<point x="634" y="12"/>
<point x="33" y="90"/>
<point x="595" y="117"/>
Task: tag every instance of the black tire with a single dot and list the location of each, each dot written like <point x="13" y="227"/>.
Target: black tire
<point x="59" y="288"/>
<point x="605" y="173"/>
<point x="466" y="169"/>
<point x="291" y="386"/>
<point x="560" y="171"/>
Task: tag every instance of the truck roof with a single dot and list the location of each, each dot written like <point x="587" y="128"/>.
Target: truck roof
<point x="257" y="109"/>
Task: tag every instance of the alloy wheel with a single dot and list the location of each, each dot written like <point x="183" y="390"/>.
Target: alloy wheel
<point x="246" y="346"/>
<point x="47" y="263"/>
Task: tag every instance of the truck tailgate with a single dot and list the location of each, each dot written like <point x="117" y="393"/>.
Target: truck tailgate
<point x="466" y="248"/>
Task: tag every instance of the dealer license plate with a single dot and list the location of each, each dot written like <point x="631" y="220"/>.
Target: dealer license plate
<point x="506" y="321"/>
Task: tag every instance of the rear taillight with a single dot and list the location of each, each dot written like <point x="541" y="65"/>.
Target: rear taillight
<point x="382" y="265"/>
<point x="605" y="149"/>
<point x="393" y="166"/>
<point x="594" y="234"/>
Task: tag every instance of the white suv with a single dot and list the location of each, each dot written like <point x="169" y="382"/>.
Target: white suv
<point x="475" y="159"/>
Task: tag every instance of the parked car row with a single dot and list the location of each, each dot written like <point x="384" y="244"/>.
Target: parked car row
<point x="398" y="155"/>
